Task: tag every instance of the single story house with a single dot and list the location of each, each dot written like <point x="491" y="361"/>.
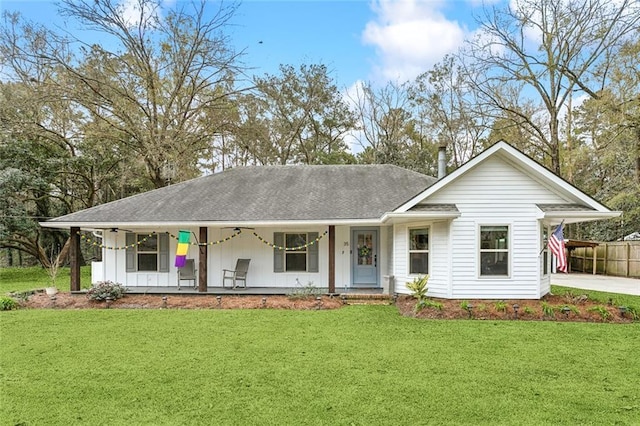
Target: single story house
<point x="479" y="232"/>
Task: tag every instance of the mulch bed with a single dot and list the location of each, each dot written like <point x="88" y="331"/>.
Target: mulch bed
<point x="65" y="300"/>
<point x="548" y="309"/>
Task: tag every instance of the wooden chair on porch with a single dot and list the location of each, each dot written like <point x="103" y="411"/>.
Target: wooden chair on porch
<point x="238" y="276"/>
<point x="188" y="273"/>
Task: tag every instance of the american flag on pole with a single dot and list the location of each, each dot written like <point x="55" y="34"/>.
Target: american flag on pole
<point x="556" y="245"/>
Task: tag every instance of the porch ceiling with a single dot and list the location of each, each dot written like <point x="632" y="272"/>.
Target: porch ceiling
<point x="572" y="213"/>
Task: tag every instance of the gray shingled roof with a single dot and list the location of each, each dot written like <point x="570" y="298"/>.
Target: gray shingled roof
<point x="564" y="208"/>
<point x="268" y="193"/>
<point x="434" y="208"/>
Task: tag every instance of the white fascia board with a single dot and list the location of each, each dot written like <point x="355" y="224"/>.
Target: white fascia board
<point x="420" y="216"/>
<point x="253" y="224"/>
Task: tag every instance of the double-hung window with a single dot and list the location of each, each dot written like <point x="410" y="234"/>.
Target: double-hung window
<point x="295" y="257"/>
<point x="419" y="250"/>
<point x="494" y="250"/>
<point x="295" y="252"/>
<point x="147" y="252"/>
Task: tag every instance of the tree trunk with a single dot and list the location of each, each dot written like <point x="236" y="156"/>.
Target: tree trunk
<point x="637" y="132"/>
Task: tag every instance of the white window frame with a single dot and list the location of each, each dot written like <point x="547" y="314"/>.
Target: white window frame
<point x="304" y="251"/>
<point x="139" y="252"/>
<point x="409" y="251"/>
<point x="508" y="251"/>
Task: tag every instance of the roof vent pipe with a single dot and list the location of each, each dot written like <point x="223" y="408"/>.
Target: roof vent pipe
<point x="442" y="161"/>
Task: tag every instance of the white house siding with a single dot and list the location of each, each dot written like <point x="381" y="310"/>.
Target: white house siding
<point x="440" y="260"/>
<point x="497" y="193"/>
<point x="384" y="253"/>
<point x="261" y="274"/>
<point x="343" y="256"/>
<point x="439" y="257"/>
<point x="400" y="260"/>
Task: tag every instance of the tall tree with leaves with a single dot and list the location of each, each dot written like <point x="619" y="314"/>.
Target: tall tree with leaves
<point x="306" y="115"/>
<point x="115" y="118"/>
<point x="608" y="131"/>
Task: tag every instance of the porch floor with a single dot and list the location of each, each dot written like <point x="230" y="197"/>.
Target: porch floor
<point x="249" y="290"/>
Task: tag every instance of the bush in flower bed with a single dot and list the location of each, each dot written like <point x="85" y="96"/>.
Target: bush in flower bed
<point x="7" y="303"/>
<point x="106" y="289"/>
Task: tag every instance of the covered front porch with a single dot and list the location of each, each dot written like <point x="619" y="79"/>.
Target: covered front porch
<point x="327" y="268"/>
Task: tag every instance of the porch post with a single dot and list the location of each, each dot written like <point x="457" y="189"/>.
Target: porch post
<point x="202" y="262"/>
<point x="74" y="258"/>
<point x="332" y="259"/>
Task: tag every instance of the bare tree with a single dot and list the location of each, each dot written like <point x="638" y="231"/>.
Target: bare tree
<point x="544" y="50"/>
<point x="445" y="107"/>
<point x="152" y="79"/>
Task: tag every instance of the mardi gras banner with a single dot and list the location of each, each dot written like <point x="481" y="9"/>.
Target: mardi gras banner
<point x="183" y="248"/>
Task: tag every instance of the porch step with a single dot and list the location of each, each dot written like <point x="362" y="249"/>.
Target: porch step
<point x="366" y="299"/>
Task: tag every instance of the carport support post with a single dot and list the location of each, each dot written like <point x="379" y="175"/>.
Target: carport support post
<point x="332" y="259"/>
<point x="74" y="258"/>
<point x="202" y="261"/>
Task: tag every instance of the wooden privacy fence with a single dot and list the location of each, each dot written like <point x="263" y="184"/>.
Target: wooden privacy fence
<point x="620" y="258"/>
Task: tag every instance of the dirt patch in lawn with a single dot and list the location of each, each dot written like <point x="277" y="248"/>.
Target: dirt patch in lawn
<point x="551" y="308"/>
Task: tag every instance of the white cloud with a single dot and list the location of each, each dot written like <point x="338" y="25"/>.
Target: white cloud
<point x="131" y="12"/>
<point x="410" y="36"/>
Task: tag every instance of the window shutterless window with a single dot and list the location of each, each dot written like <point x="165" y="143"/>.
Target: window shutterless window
<point x="494" y="250"/>
<point x="419" y="251"/>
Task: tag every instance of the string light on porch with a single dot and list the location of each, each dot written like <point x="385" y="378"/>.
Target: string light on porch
<point x="100" y="245"/>
<point x="211" y="243"/>
<point x="304" y="246"/>
<point x="95" y="243"/>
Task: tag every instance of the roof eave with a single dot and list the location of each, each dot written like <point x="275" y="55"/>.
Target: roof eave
<point x="399" y="217"/>
<point x="210" y="224"/>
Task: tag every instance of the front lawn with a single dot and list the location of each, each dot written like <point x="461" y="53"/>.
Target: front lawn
<point x="358" y="365"/>
<point x="35" y="277"/>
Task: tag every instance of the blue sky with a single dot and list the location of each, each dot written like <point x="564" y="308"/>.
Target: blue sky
<point x="358" y="40"/>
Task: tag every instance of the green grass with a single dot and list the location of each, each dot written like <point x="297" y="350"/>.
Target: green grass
<point x="360" y="365"/>
<point x="35" y="277"/>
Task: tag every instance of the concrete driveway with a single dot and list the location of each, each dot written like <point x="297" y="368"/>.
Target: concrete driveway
<point x="598" y="282"/>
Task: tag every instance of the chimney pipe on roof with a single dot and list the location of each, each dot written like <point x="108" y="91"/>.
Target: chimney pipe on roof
<point x="442" y="161"/>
